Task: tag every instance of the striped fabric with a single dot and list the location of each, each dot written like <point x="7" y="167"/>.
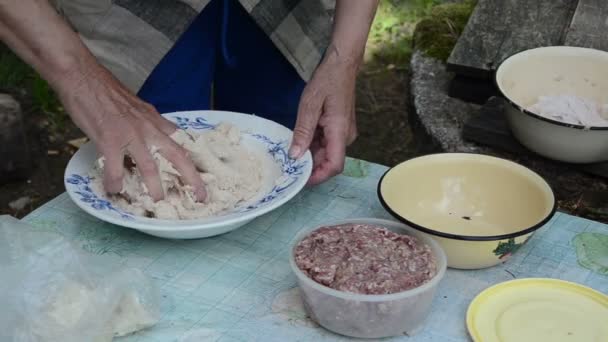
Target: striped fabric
<point x="130" y="37"/>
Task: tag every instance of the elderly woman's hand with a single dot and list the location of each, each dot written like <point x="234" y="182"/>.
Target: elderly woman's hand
<point x="120" y="124"/>
<point x="116" y="120"/>
<point x="326" y="118"/>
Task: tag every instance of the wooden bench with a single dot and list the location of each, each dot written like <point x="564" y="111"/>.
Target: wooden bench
<point x="498" y="29"/>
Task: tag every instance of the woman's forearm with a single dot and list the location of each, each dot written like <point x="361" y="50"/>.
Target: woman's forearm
<point x="352" y="23"/>
<point x="35" y="32"/>
<point x="116" y="120"/>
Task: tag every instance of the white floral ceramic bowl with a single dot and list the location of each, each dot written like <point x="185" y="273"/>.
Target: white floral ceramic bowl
<point x="283" y="178"/>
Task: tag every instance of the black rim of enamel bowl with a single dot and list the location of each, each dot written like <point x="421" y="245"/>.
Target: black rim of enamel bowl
<point x="458" y="236"/>
<point x="536" y="116"/>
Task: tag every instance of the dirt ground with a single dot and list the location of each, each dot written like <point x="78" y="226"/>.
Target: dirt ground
<point x="382" y="117"/>
<point x="52" y="153"/>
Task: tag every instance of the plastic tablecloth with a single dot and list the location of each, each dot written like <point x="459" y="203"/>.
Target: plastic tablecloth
<point x="239" y="286"/>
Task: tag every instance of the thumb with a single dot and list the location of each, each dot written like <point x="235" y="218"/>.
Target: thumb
<point x="309" y="112"/>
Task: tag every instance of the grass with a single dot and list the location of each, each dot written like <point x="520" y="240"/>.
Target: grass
<point x="434" y="27"/>
<point x="13" y="72"/>
<point x="438" y="33"/>
<point x="17" y="77"/>
<point x="390" y="40"/>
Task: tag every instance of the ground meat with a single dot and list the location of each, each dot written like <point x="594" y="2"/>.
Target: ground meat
<point x="365" y="259"/>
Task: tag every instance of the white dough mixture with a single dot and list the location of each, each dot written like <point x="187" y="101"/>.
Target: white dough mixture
<point x="572" y="109"/>
<point x="230" y="172"/>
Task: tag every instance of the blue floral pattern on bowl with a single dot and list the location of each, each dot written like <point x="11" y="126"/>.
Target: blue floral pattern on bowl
<point x="89" y="197"/>
<point x="196" y="123"/>
<point x="278" y="150"/>
<point x="291" y="169"/>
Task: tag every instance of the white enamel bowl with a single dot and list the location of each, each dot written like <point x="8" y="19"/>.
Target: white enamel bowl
<point x="283" y="178"/>
<point x="555" y="70"/>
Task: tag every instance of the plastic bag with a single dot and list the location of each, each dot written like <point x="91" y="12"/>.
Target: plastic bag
<point x="51" y="290"/>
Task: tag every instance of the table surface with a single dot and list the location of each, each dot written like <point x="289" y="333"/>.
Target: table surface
<point x="239" y="286"/>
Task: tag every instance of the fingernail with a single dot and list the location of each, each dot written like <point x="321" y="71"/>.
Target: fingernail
<point x="294" y="152"/>
<point x="112" y="187"/>
<point x="201" y="194"/>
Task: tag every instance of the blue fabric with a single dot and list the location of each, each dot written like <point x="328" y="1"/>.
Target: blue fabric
<point x="225" y="49"/>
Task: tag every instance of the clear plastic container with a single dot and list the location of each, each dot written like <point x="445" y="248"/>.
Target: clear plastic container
<point x="370" y="316"/>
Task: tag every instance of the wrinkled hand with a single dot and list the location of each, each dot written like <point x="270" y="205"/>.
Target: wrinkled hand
<point x="121" y="124"/>
<point x="326" y="120"/>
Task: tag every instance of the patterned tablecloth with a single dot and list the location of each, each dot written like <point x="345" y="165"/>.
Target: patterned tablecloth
<point x="239" y="287"/>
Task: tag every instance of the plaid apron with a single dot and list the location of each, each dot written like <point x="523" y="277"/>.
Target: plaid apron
<point x="130" y="37"/>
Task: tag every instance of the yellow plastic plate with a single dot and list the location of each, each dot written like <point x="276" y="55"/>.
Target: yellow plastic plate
<point x="538" y="310"/>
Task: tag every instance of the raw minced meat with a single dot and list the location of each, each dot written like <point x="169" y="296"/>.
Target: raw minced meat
<point x="365" y="259"/>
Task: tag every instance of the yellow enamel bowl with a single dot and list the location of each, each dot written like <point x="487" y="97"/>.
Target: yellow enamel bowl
<point x="480" y="209"/>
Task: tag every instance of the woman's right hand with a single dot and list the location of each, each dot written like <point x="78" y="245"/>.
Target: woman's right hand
<point x="120" y="124"/>
<point x="114" y="118"/>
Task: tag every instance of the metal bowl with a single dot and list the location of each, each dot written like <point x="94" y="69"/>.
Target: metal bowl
<point x="480" y="209"/>
<point x="555" y="70"/>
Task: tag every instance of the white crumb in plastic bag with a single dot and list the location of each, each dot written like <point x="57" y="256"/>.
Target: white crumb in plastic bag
<point x="53" y="291"/>
<point x="74" y="299"/>
<point x="69" y="304"/>
<point x="131" y="316"/>
<point x="572" y="109"/>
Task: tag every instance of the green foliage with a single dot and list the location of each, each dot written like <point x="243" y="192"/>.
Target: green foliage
<point x="505" y="249"/>
<point x="391" y="33"/>
<point x="45" y="101"/>
<point x="15" y="76"/>
<point x="13" y="72"/>
<point x="431" y="25"/>
<point x="437" y="34"/>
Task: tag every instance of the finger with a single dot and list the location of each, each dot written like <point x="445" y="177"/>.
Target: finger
<point x="148" y="112"/>
<point x="333" y="156"/>
<point x="352" y="136"/>
<point x="352" y="132"/>
<point x="309" y="112"/>
<point x="318" y="153"/>
<point x="113" y="171"/>
<point x="162" y="123"/>
<point x="317" y="172"/>
<point x="182" y="163"/>
<point x="147" y="168"/>
<point x="320" y="174"/>
<point x="165" y="126"/>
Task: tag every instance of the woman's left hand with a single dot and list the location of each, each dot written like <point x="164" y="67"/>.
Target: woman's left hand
<point x="326" y="122"/>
